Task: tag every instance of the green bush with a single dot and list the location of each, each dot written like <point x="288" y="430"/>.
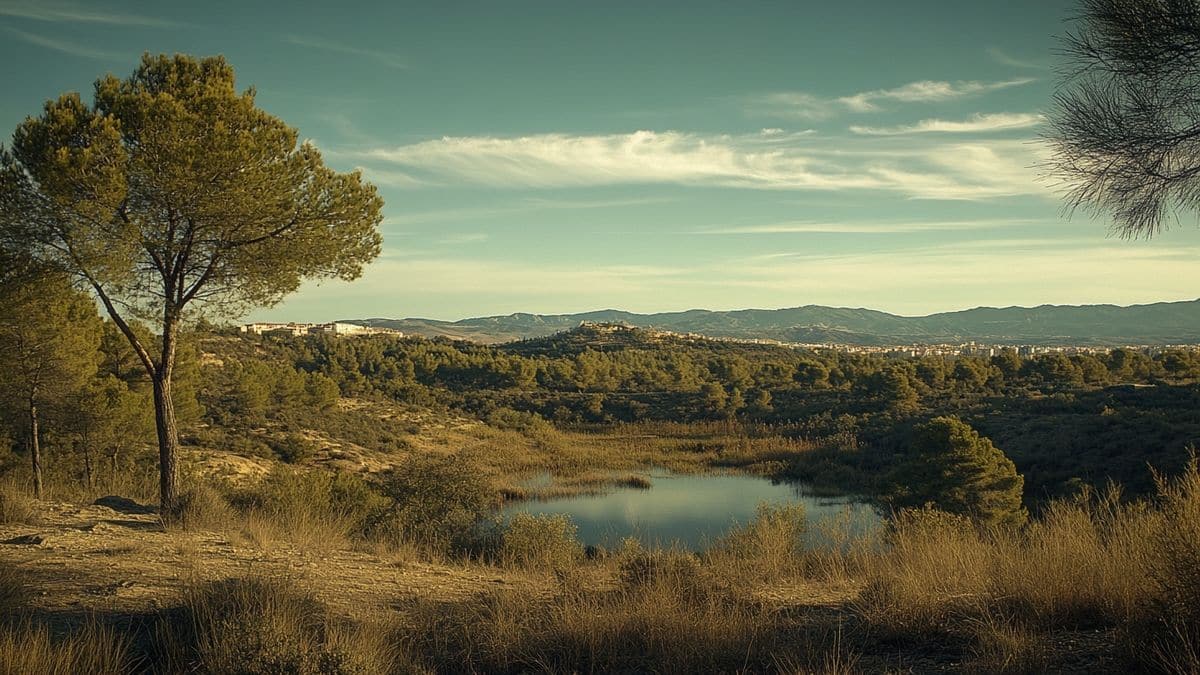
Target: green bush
<point x="313" y="497"/>
<point x="442" y="502"/>
<point x="516" y="420"/>
<point x="542" y="541"/>
<point x="293" y="448"/>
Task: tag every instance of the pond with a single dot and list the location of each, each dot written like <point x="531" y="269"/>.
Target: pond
<point x="691" y="510"/>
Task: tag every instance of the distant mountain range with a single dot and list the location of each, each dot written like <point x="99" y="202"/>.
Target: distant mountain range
<point x="1099" y="325"/>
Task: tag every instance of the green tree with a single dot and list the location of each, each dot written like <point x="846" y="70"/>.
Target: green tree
<point x="106" y="417"/>
<point x="1125" y="122"/>
<point x="49" y="345"/>
<point x="953" y="468"/>
<point x="175" y="195"/>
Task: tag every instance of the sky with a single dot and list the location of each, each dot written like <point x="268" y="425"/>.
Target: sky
<point x="557" y="157"/>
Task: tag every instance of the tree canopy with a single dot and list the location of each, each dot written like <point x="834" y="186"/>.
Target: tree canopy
<point x="1126" y="125"/>
<point x="173" y="193"/>
<point x="954" y="469"/>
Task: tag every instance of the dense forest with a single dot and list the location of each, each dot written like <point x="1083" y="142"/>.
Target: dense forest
<point x="1065" y="419"/>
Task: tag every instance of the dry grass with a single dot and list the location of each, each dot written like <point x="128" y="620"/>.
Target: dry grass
<point x="1093" y="562"/>
<point x="540" y="541"/>
<point x="14" y="591"/>
<point x="266" y="625"/>
<point x="16" y="505"/>
<point x="93" y="649"/>
<point x="767" y="548"/>
<point x="1003" y="646"/>
<point x="667" y="624"/>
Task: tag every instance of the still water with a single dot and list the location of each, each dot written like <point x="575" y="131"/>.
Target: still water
<point x="691" y="510"/>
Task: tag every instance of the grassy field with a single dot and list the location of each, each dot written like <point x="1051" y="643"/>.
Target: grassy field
<point x="1094" y="584"/>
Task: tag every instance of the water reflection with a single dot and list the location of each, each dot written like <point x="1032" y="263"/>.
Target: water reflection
<point x="692" y="510"/>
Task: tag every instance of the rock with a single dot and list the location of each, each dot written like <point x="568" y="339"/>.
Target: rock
<point x="123" y="505"/>
<point x="26" y="540"/>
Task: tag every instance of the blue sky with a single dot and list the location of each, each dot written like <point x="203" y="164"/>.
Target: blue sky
<point x="568" y="156"/>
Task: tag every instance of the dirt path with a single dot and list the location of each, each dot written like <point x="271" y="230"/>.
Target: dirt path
<point x="95" y="558"/>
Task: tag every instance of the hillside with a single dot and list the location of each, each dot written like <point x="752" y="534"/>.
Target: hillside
<point x="1100" y="325"/>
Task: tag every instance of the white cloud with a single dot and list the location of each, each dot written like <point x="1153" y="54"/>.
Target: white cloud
<point x="397" y="179"/>
<point x="985" y="169"/>
<point x="806" y="105"/>
<point x="464" y="238"/>
<point x="386" y="58"/>
<point x="925" y="91"/>
<point x="45" y="10"/>
<point x="869" y="227"/>
<point x="66" y="47"/>
<point x="1003" y="58"/>
<point x="527" y="205"/>
<point x="981" y="122"/>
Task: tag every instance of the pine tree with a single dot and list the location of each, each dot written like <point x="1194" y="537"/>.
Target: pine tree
<point x="49" y="345"/>
<point x="954" y="469"/>
<point x="174" y="193"/>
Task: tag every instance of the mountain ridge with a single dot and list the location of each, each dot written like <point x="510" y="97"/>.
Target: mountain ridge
<point x="1159" y="323"/>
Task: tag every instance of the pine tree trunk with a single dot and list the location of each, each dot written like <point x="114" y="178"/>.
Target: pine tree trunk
<point x="35" y="449"/>
<point x="88" y="475"/>
<point x="168" y="444"/>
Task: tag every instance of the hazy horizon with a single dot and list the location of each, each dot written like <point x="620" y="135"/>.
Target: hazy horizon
<point x="540" y="158"/>
<point x="316" y="319"/>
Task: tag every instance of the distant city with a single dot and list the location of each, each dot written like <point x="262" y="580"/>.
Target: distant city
<point x="969" y="348"/>
<point x="331" y="328"/>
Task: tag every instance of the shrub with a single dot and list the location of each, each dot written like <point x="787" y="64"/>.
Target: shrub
<point x="680" y="570"/>
<point x="259" y="625"/>
<point x="293" y="448"/>
<point x="1171" y="633"/>
<point x="770" y="545"/>
<point x="442" y="502"/>
<point x="201" y="507"/>
<point x="311" y="508"/>
<point x="541" y="541"/>
<point x="516" y="420"/>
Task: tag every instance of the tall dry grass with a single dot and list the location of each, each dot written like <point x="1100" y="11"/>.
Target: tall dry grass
<point x="666" y="623"/>
<point x="17" y="506"/>
<point x="1097" y="561"/>
<point x="261" y="625"/>
<point x="27" y="648"/>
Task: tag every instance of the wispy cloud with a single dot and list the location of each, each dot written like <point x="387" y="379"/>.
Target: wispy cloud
<point x="869" y="227"/>
<point x="464" y="238"/>
<point x="980" y="170"/>
<point x="65" y="46"/>
<point x="528" y="205"/>
<point x="1003" y="58"/>
<point x="384" y="57"/>
<point x="396" y="179"/>
<point x="806" y="105"/>
<point x="42" y="10"/>
<point x="925" y="91"/>
<point x="984" y="122"/>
